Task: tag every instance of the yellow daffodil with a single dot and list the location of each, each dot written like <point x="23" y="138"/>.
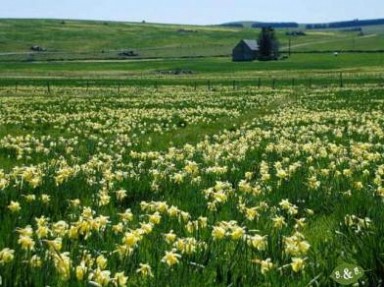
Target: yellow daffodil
<point x="6" y="256"/>
<point x="14" y="206"/>
<point x="145" y="270"/>
<point x="171" y="258"/>
<point x="297" y="264"/>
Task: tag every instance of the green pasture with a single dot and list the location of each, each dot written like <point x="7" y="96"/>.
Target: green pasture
<point x="322" y="69"/>
<point x="222" y="65"/>
<point x="69" y="39"/>
<point x="281" y="119"/>
<point x="77" y="123"/>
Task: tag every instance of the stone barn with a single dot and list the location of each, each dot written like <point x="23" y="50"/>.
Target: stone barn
<point x="245" y="50"/>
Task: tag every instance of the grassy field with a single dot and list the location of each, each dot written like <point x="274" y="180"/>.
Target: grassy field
<point x="297" y="63"/>
<point x="104" y="40"/>
<point x="187" y="171"/>
<point x="174" y="187"/>
<point x="298" y="70"/>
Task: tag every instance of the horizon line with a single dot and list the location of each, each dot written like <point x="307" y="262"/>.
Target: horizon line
<point x="187" y="24"/>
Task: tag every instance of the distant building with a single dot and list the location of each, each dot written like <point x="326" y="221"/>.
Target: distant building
<point x="245" y="50"/>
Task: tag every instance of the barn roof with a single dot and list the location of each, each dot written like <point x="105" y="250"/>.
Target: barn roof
<point x="252" y="44"/>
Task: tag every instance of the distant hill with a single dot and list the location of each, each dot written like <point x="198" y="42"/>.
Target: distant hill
<point x="345" y="24"/>
<point x="250" y="24"/>
<point x="32" y="40"/>
<point x="330" y="25"/>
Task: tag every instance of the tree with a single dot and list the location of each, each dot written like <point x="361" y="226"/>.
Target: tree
<point x="268" y="44"/>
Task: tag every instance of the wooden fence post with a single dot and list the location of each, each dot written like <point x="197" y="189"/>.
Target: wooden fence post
<point x="341" y="79"/>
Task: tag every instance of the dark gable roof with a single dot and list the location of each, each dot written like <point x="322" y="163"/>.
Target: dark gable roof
<point x="252" y="44"/>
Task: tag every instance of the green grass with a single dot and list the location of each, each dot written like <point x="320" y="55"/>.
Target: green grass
<point x="93" y="37"/>
<point x="234" y="128"/>
<point x="123" y="124"/>
<point x="297" y="63"/>
<point x="71" y="39"/>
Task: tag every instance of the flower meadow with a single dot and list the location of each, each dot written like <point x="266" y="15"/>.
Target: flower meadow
<point x="177" y="187"/>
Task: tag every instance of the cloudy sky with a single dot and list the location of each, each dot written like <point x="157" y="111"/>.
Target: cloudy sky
<point x="195" y="11"/>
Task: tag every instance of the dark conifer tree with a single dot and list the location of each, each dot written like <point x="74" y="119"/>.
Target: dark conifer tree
<point x="268" y="44"/>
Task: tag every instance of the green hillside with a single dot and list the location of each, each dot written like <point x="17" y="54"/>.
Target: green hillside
<point x="68" y="39"/>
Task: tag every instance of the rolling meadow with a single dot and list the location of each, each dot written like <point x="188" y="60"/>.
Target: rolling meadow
<point x="221" y="174"/>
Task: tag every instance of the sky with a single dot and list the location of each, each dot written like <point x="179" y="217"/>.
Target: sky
<point x="200" y="12"/>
